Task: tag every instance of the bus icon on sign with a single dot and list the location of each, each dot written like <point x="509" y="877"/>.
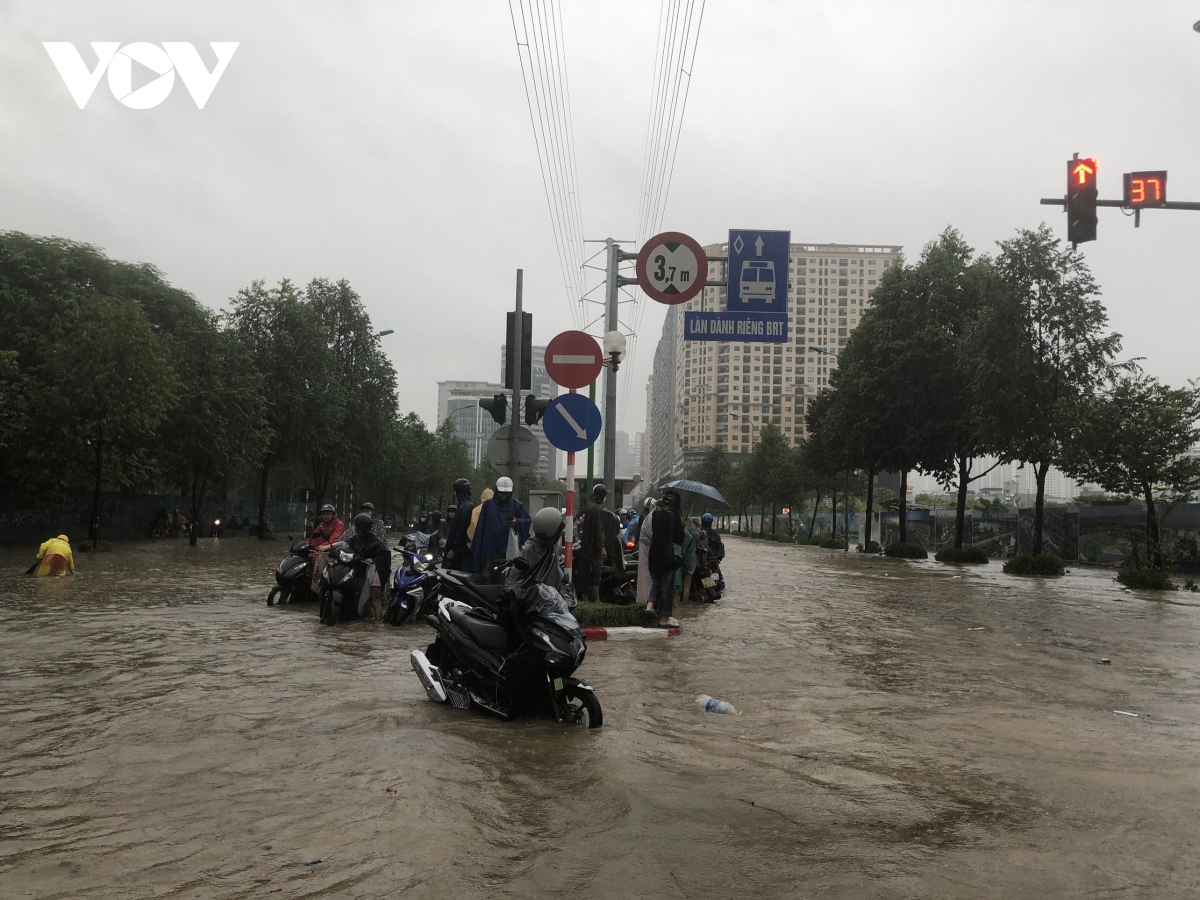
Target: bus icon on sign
<point x="758" y="280"/>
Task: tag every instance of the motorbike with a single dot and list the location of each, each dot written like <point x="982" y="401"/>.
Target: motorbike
<point x="513" y="653"/>
<point x="345" y="584"/>
<point x="706" y="582"/>
<point x="414" y="586"/>
<point x="293" y="576"/>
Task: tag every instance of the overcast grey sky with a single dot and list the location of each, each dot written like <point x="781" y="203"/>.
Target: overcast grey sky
<point x="389" y="143"/>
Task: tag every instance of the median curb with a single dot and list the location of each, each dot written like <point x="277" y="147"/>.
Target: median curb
<point x="628" y="633"/>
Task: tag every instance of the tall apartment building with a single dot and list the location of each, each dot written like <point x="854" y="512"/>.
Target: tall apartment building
<point x="544" y="388"/>
<point x="705" y="393"/>
<point x="458" y="401"/>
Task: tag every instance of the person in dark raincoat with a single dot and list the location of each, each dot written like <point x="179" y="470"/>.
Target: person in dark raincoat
<point x="455" y="550"/>
<point x="599" y="543"/>
<point x="500" y="520"/>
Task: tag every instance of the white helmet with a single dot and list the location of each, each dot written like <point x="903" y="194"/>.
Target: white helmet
<point x="504" y="483"/>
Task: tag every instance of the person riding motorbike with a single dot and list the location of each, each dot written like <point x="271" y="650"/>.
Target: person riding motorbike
<point x="329" y="529"/>
<point x="716" y="547"/>
<point x="456" y="552"/>
<point x="364" y="542"/>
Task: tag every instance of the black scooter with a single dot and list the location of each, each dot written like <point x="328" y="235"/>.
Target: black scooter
<point x="342" y="583"/>
<point x="293" y="577"/>
<point x="511" y="650"/>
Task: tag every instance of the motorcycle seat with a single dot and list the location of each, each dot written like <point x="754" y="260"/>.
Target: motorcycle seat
<point x="489" y="592"/>
<point x="486" y="632"/>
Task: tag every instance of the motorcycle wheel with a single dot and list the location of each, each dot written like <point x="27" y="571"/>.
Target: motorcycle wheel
<point x="335" y="608"/>
<point x="273" y="596"/>
<point x="583" y="708"/>
<point x="324" y="598"/>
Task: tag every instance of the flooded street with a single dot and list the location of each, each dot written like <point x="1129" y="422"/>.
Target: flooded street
<point x="904" y="733"/>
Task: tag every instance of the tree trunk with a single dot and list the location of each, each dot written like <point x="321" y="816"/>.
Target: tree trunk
<point x="94" y="526"/>
<point x="773" y="506"/>
<point x="1154" y="554"/>
<point x="812" y="523"/>
<point x="960" y="518"/>
<point x="762" y="519"/>
<point x="903" y="505"/>
<point x="870" y="505"/>
<point x="197" y="503"/>
<point x="262" y="497"/>
<point x="1040" y="471"/>
<point x="833" y="505"/>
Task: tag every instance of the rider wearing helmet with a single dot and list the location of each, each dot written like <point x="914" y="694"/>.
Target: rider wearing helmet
<point x="364" y="542"/>
<point x="456" y="552"/>
<point x="328" y="529"/>
<point x="716" y="547"/>
<point x="502" y="528"/>
<point x="379" y="527"/>
<point x="599" y="543"/>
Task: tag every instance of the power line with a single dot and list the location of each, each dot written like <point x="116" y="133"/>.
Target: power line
<point x="543" y="74"/>
<point x="675" y="59"/>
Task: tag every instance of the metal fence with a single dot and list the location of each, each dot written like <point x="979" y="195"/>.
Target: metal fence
<point x="128" y="516"/>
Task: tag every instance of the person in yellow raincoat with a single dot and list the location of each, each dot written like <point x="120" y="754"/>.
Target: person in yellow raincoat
<point x="487" y="494"/>
<point x="55" y="557"/>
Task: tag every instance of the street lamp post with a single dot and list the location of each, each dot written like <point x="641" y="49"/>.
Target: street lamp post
<point x="614" y="351"/>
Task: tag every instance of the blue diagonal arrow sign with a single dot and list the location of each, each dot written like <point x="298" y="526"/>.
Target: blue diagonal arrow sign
<point x="572" y="422"/>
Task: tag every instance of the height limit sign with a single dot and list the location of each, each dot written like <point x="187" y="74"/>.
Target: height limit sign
<point x="672" y="268"/>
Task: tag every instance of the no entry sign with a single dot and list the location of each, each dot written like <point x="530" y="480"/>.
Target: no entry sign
<point x="573" y="359"/>
<point x="672" y="268"/>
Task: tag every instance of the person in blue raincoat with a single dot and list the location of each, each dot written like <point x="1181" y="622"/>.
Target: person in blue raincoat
<point x="502" y="525"/>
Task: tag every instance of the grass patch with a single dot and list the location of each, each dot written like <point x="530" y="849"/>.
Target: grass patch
<point x="1146" y="579"/>
<point x="871" y="547"/>
<point x="964" y="555"/>
<point x="97" y="547"/>
<point x="609" y="615"/>
<point x="833" y="544"/>
<point x="1030" y="564"/>
<point x="907" y="550"/>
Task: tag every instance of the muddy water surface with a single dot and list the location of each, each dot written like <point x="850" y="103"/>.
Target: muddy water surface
<point x="904" y="733"/>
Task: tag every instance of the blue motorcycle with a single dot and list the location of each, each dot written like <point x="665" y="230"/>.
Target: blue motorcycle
<point x="414" y="593"/>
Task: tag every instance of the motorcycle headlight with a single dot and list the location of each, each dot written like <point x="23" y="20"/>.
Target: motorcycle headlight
<point x="345" y="556"/>
<point x="428" y="557"/>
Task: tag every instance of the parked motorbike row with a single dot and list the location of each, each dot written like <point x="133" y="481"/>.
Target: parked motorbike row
<point x="510" y="648"/>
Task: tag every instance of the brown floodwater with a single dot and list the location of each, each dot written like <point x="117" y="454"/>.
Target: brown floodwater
<point x="903" y="733"/>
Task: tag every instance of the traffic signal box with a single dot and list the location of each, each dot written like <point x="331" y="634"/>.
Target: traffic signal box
<point x="497" y="406"/>
<point x="534" y="409"/>
<point x="1081" y="200"/>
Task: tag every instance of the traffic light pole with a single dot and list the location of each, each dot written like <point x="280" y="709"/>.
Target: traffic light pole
<point x="514" y="433"/>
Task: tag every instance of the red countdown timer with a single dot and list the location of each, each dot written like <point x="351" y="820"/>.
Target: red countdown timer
<point x="1145" y="189"/>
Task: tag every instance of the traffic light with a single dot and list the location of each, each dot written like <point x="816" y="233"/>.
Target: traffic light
<point x="1081" y="200"/>
<point x="498" y="407"/>
<point x="534" y="409"/>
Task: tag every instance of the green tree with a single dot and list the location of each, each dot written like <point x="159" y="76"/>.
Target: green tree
<point x="1133" y="438"/>
<point x="220" y="420"/>
<point x="286" y="342"/>
<point x="359" y="394"/>
<point x="1041" y="352"/>
<point x="713" y="468"/>
<point x="101" y="395"/>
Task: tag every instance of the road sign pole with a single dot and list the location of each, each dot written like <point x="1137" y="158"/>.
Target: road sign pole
<point x="591" y="448"/>
<point x="610" y="378"/>
<point x="569" y="533"/>
<point x="514" y="440"/>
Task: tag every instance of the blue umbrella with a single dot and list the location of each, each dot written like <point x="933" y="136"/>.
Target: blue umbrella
<point x="697" y="489"/>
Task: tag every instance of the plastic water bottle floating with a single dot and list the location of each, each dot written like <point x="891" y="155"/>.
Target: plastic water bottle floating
<point x="713" y="705"/>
